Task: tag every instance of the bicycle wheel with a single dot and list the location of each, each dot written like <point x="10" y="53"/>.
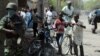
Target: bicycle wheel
<point x="31" y="49"/>
<point x="46" y="52"/>
<point x="34" y="47"/>
<point x="65" y="45"/>
<point x="54" y="44"/>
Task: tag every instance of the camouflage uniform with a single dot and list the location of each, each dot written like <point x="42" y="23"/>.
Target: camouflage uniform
<point x="15" y="23"/>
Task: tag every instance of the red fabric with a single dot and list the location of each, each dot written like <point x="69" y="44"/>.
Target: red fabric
<point x="59" y="25"/>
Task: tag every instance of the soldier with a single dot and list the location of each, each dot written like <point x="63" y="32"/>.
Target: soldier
<point x="12" y="26"/>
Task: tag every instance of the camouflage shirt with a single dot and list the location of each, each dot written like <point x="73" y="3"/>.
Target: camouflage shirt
<point x="13" y="23"/>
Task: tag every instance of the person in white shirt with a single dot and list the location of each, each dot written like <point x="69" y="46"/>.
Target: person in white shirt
<point x="22" y="13"/>
<point x="68" y="12"/>
<point x="77" y="35"/>
<point x="49" y="16"/>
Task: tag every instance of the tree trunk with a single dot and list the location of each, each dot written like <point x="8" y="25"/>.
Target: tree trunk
<point x="2" y="7"/>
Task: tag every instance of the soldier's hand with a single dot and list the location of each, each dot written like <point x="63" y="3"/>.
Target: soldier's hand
<point x="19" y="40"/>
<point x="12" y="31"/>
<point x="8" y="30"/>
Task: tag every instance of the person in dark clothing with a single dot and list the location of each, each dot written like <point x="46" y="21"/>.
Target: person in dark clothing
<point x="96" y="20"/>
<point x="35" y="21"/>
<point x="41" y="35"/>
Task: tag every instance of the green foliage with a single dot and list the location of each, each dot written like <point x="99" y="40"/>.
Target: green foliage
<point x="53" y="2"/>
<point x="63" y="3"/>
<point x="76" y="3"/>
<point x="92" y="4"/>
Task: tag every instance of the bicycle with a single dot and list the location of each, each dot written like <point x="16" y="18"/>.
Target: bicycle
<point x="67" y="44"/>
<point x="44" y="49"/>
<point x="34" y="48"/>
<point x="48" y="50"/>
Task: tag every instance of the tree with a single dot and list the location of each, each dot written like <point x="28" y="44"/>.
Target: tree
<point x="92" y="4"/>
<point x="78" y="4"/>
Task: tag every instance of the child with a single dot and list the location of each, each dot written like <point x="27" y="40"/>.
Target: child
<point x="59" y="28"/>
<point x="78" y="35"/>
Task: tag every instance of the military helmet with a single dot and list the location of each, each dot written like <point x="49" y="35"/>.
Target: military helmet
<point x="11" y="6"/>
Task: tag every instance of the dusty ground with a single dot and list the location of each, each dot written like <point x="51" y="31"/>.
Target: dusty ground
<point x="91" y="41"/>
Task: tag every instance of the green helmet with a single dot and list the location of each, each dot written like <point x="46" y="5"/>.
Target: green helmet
<point x="11" y="6"/>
